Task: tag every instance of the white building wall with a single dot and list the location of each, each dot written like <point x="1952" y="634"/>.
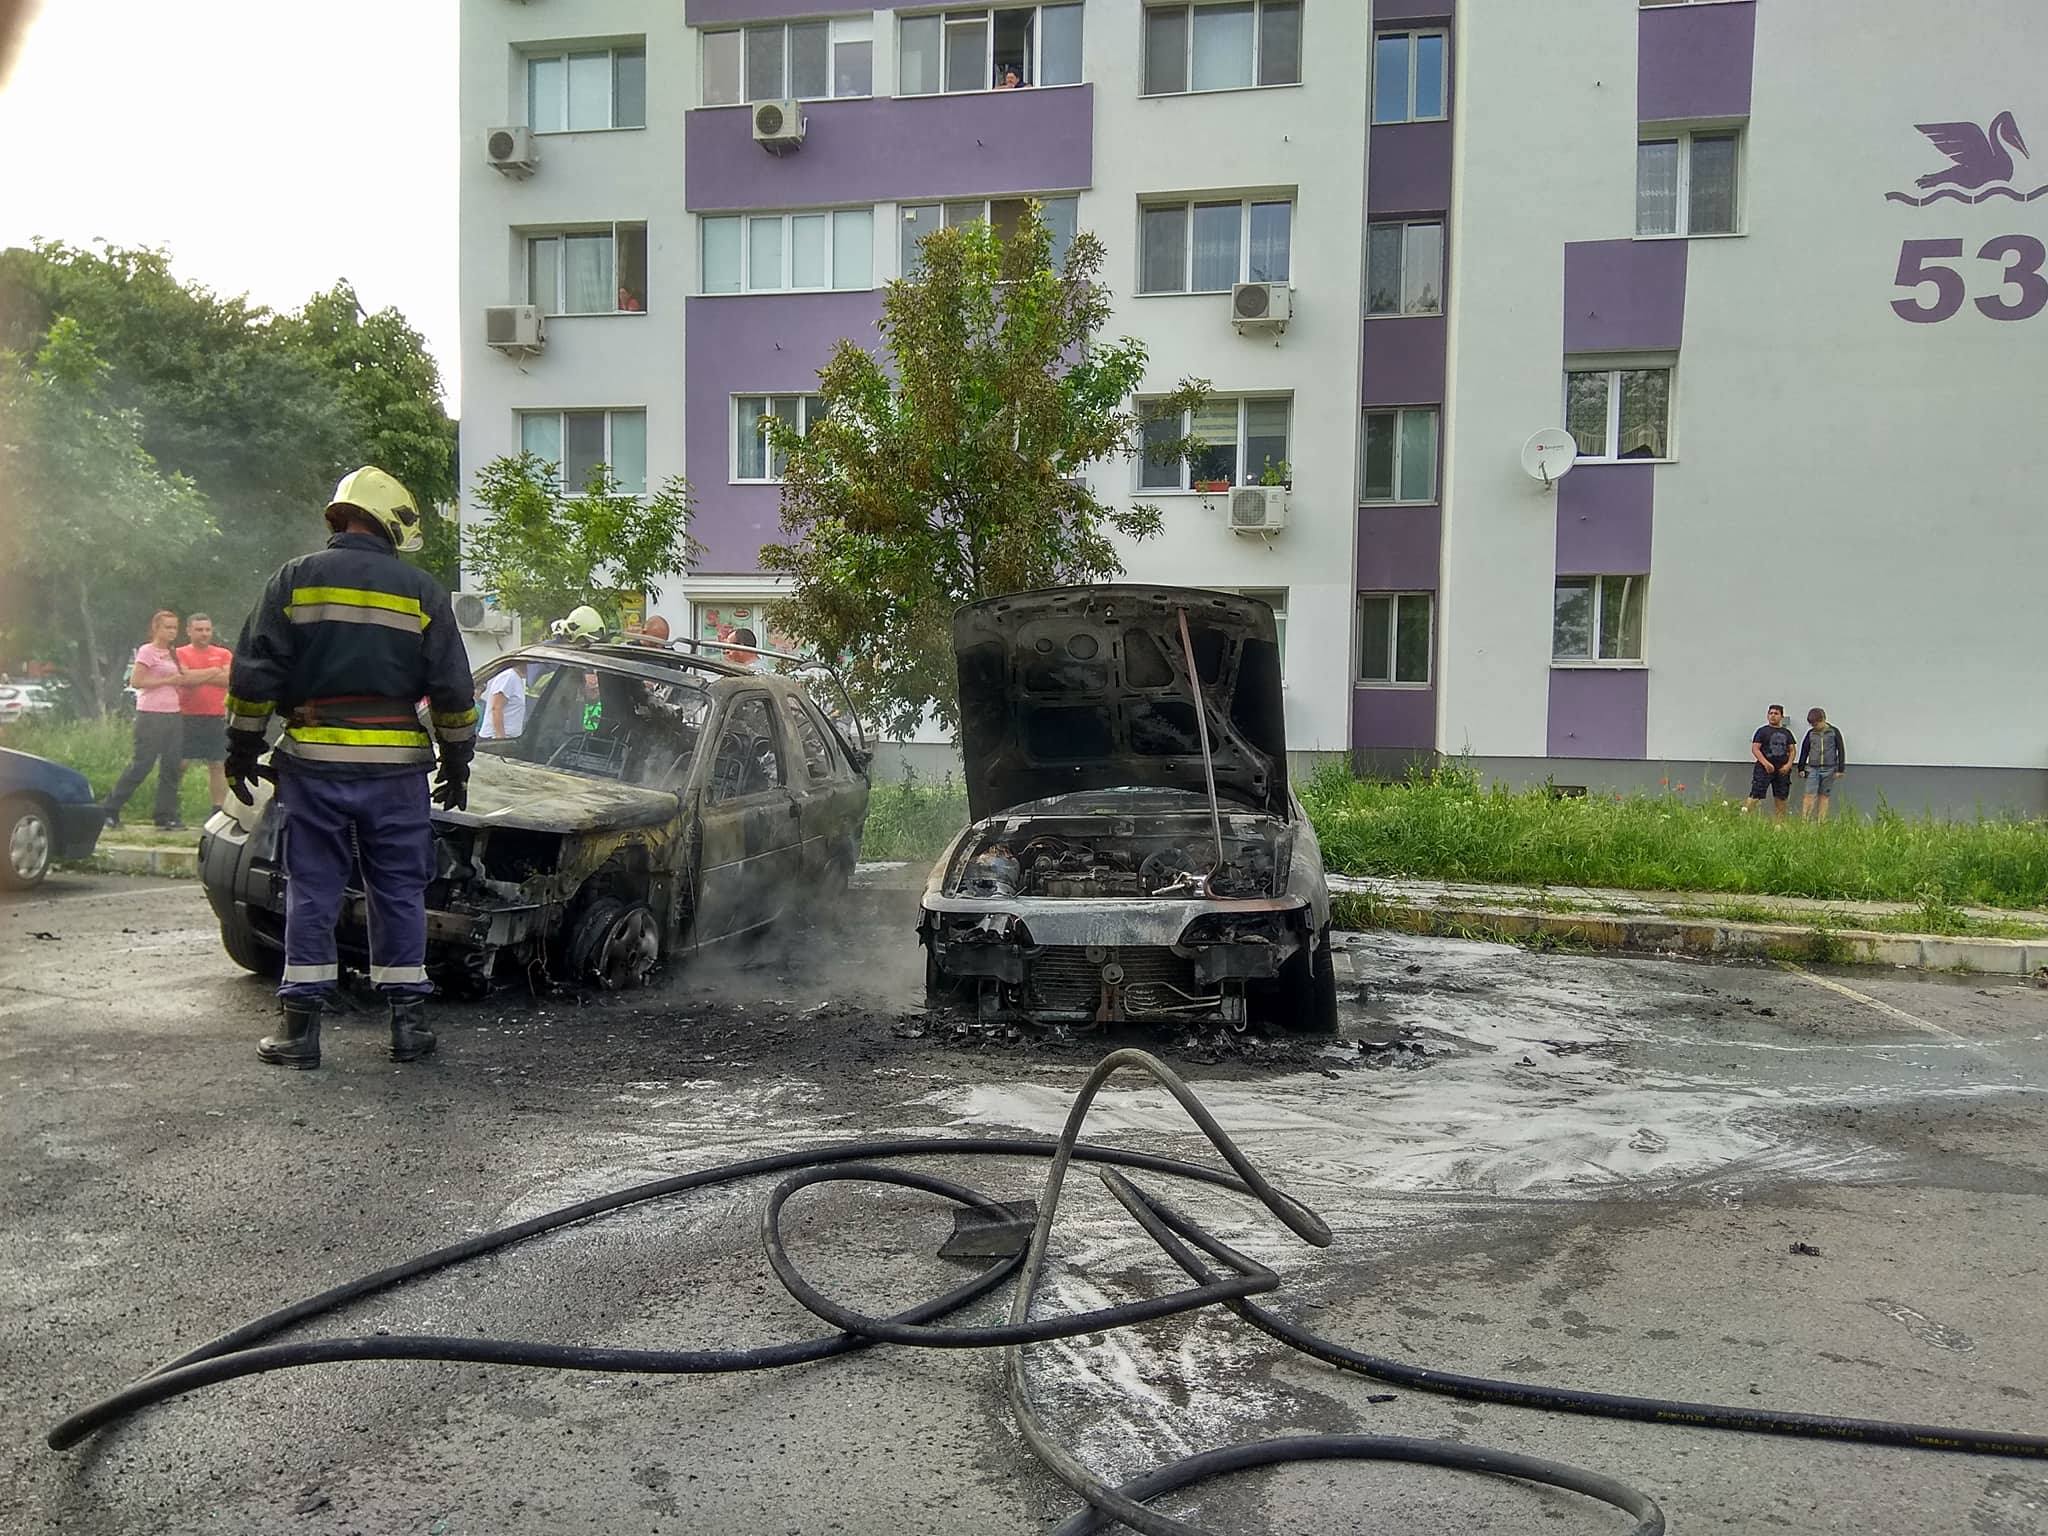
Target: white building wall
<point x="1308" y="139"/>
<point x="1856" y="514"/>
<point x="628" y="174"/>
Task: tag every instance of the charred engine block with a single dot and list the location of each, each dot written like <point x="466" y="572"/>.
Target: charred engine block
<point x="1059" y="867"/>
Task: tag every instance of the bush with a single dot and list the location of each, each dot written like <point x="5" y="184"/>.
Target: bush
<point x="909" y="820"/>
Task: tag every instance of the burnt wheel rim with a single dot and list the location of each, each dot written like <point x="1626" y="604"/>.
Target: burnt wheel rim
<point x="627" y="953"/>
<point x="28" y="847"/>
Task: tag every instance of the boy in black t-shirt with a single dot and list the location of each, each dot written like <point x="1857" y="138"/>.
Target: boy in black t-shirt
<point x="1771" y="752"/>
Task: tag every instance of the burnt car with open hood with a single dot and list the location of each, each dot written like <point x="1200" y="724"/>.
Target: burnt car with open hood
<point x="643" y="802"/>
<point x="1136" y="854"/>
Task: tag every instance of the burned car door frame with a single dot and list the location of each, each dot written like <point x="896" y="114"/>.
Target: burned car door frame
<point x="751" y="842"/>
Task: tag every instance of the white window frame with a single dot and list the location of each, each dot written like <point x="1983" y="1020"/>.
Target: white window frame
<point x="562" y="431"/>
<point x="745" y="222"/>
<point x="1682" y="196"/>
<point x="1187" y="484"/>
<point x="965" y="14"/>
<point x="1413" y="34"/>
<point x="768" y="397"/>
<point x="1399" y="412"/>
<point x="557" y="234"/>
<point x="1599" y="591"/>
<point x="1436" y="222"/>
<point x="908" y="268"/>
<point x="530" y="57"/>
<point x="1187" y="66"/>
<point x="1395" y="599"/>
<point x="839" y="29"/>
<point x="1244" y="240"/>
<point x="1614" y="372"/>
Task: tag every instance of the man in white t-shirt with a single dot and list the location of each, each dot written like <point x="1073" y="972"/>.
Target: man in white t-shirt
<point x="504" y="712"/>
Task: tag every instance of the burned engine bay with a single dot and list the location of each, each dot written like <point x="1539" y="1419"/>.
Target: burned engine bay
<point x="1083" y="857"/>
<point x="1093" y="918"/>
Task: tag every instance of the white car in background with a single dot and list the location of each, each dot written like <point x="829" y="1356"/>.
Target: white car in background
<point x="21" y="699"/>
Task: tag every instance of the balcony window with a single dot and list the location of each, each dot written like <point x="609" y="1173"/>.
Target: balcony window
<point x="999" y="50"/>
<point x="588" y="272"/>
<point x="573" y="92"/>
<point x="805" y="60"/>
<point x="781" y="252"/>
<point x="752" y="459"/>
<point x="1003" y="214"/>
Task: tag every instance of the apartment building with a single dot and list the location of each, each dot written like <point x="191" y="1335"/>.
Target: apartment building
<point x="1776" y="267"/>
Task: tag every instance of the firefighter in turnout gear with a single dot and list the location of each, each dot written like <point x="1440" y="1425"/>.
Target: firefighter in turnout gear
<point x="343" y="645"/>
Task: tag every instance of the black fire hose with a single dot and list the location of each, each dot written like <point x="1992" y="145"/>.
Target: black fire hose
<point x="241" y="1351"/>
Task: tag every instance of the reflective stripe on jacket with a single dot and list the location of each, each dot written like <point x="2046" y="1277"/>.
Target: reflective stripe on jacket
<point x="345" y="643"/>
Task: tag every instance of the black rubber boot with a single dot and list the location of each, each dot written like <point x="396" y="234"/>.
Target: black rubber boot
<point x="410" y="1037"/>
<point x="298" y="1043"/>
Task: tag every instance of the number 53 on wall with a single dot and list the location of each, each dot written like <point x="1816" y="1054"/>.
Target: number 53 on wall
<point x="2022" y="291"/>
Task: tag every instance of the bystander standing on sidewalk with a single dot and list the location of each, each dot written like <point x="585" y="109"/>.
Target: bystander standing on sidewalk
<point x="1770" y="750"/>
<point x="159" y="725"/>
<point x="1822" y="759"/>
<point x="203" y="703"/>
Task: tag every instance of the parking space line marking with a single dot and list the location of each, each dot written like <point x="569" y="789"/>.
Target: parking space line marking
<point x="1882" y="1007"/>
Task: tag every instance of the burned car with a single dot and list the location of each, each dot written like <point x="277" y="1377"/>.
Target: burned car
<point x="653" y="802"/>
<point x="1136" y="853"/>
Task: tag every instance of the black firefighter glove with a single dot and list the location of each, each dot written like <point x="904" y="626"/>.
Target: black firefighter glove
<point x="451" y="784"/>
<point x="244" y="764"/>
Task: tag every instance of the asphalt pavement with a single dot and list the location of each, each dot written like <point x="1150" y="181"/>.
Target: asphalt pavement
<point x="1733" y="1183"/>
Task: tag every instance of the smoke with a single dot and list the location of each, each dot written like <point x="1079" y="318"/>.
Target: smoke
<point x="856" y="951"/>
<point x="15" y="19"/>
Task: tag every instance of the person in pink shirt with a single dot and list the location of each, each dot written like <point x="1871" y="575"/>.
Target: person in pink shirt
<point x="159" y="724"/>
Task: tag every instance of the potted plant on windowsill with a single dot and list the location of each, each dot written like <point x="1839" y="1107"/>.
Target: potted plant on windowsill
<point x="1212" y="486"/>
<point x="1280" y="473"/>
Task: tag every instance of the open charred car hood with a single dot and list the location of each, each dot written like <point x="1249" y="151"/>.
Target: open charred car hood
<point x="506" y="793"/>
<point x="1076" y="688"/>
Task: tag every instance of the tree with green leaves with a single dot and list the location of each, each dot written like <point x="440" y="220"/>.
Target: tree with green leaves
<point x="393" y="390"/>
<point x="953" y="468"/>
<point x="544" y="551"/>
<point x="89" y="509"/>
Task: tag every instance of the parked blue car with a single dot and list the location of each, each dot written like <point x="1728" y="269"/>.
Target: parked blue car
<point x="47" y="815"/>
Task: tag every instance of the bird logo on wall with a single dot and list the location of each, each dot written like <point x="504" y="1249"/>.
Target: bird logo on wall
<point x="1981" y="164"/>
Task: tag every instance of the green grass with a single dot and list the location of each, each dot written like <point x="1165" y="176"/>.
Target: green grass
<point x="100" y="749"/>
<point x="910" y="820"/>
<point x="1445" y="826"/>
<point x="1933" y="917"/>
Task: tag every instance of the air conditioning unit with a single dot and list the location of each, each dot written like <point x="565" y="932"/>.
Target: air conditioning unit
<point x="511" y="150"/>
<point x="479" y="615"/>
<point x="778" y="125"/>
<point x="514" y="328"/>
<point x="1258" y="508"/>
<point x="1260" y="306"/>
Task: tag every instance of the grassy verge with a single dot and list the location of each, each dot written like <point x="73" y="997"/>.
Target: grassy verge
<point x="910" y="820"/>
<point x="100" y="749"/>
<point x="1444" y="826"/>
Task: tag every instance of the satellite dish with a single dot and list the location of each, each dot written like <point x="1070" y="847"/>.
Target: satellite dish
<point x="1549" y="455"/>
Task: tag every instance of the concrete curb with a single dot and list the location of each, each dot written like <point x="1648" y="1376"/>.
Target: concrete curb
<point x="1705" y="938"/>
<point x="128" y="859"/>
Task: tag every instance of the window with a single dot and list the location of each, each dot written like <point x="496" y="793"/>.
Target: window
<point x="1619" y="413"/>
<point x="988" y="50"/>
<point x="1685" y="184"/>
<point x="1404" y="267"/>
<point x="571" y="92"/>
<point x="588" y="272"/>
<point x="772" y="252"/>
<point x="1598" y="618"/>
<point x="807" y="60"/>
<point x="1004" y="214"/>
<point x="1239" y="440"/>
<point x="1393" y="637"/>
<point x="1222" y="47"/>
<point x="1400" y="455"/>
<point x="1408" y="80"/>
<point x="1204" y="247"/>
<point x="749" y="760"/>
<point x="576" y="442"/>
<point x="810" y="737"/>
<point x="751" y="456"/>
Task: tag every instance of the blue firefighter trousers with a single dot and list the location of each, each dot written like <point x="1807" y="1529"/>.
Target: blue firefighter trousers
<point x="328" y="825"/>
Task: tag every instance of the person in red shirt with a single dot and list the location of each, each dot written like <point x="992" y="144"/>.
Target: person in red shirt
<point x="202" y="700"/>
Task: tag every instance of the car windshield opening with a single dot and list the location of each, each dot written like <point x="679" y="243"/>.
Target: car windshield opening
<point x="591" y="720"/>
